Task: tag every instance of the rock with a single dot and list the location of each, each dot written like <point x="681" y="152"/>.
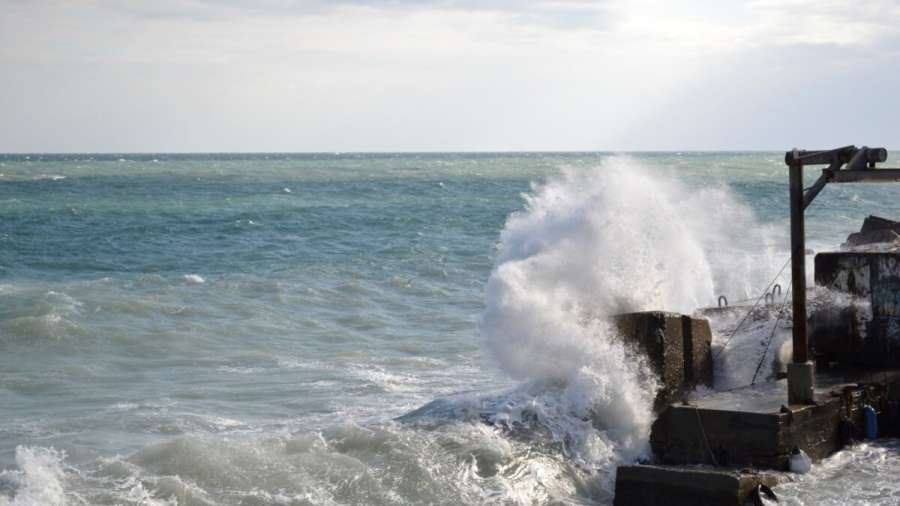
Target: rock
<point x="873" y="223"/>
<point x="875" y="230"/>
<point x="885" y="235"/>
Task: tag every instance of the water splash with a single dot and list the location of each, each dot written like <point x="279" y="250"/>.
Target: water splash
<point x="39" y="480"/>
<point x="593" y="243"/>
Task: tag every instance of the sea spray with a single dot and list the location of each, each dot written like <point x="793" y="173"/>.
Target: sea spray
<point x="39" y="481"/>
<point x="595" y="242"/>
<point x="354" y="304"/>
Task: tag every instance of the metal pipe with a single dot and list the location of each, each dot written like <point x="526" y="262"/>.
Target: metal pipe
<point x="798" y="262"/>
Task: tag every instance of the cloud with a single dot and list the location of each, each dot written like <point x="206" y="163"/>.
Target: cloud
<point x="732" y="25"/>
<point x="432" y="74"/>
<point x="841" y="23"/>
<point x="559" y="13"/>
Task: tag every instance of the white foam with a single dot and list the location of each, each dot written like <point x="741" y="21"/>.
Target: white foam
<point x="592" y="243"/>
<point x="39" y="479"/>
<point x="862" y="474"/>
<point x="194" y="279"/>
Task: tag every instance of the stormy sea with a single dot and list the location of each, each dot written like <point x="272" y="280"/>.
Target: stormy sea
<point x="337" y="329"/>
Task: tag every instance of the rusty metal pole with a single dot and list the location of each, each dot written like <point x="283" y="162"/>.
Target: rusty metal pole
<point x="801" y="372"/>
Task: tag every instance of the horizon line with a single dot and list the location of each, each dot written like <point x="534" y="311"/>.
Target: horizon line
<point x="402" y="152"/>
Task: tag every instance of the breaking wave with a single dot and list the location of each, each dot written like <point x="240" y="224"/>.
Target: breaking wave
<point x="588" y="244"/>
<point x="39" y="479"/>
<point x="593" y="243"/>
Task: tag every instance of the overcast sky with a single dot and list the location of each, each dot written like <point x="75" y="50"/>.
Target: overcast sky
<point x="447" y="75"/>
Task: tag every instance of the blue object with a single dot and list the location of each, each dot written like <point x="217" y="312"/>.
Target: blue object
<point x="871" y="419"/>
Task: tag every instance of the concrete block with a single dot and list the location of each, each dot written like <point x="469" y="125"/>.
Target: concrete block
<point x="801" y="380"/>
<point x="649" y="485"/>
<point x="737" y="433"/>
<point x="868" y="333"/>
<point x="678" y="348"/>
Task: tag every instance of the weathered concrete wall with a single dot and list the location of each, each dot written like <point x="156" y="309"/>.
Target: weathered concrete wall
<point x="681" y="486"/>
<point x="689" y="435"/>
<point x="678" y="348"/>
<point x="850" y="335"/>
<point x="685" y="434"/>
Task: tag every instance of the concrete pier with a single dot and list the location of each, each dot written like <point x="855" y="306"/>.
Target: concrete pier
<point x="848" y="366"/>
<point x="751" y="429"/>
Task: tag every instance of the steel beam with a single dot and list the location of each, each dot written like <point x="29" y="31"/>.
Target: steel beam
<point x="866" y="176"/>
<point x="820" y="156"/>
<point x="816" y="187"/>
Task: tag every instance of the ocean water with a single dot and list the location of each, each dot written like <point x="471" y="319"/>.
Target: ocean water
<point x="373" y="329"/>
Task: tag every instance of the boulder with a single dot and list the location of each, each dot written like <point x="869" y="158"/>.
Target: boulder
<point x="875" y="230"/>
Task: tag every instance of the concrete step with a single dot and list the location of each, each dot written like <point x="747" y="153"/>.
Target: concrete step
<point x="653" y="485"/>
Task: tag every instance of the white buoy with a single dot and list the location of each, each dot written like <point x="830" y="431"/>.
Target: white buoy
<point x="800" y="461"/>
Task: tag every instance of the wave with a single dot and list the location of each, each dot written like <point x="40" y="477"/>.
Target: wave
<point x="412" y="462"/>
<point x="588" y="244"/>
<point x="593" y="243"/>
<point x="35" y="314"/>
<point x="39" y="480"/>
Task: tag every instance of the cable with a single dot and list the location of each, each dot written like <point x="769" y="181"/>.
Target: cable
<point x="705" y="440"/>
<point x="761" y="297"/>
<point x="772" y="335"/>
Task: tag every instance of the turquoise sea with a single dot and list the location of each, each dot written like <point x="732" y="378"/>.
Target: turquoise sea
<point x="251" y="329"/>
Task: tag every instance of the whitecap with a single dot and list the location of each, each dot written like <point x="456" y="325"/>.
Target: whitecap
<point x="39" y="479"/>
<point x="593" y="243"/>
<point x="194" y="279"/>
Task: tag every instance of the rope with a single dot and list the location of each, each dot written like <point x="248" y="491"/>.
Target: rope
<point x="705" y="440"/>
<point x="772" y="335"/>
<point x="744" y="319"/>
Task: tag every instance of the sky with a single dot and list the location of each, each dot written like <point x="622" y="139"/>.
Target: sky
<point x="447" y="75"/>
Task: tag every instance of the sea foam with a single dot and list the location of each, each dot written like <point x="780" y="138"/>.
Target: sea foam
<point x="592" y="243"/>
<point x="194" y="279"/>
<point x="39" y="481"/>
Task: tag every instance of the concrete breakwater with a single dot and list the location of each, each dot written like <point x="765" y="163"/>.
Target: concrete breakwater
<point x="728" y="447"/>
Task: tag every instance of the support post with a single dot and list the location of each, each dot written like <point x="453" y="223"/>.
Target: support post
<point x="800" y="373"/>
<point x="860" y="167"/>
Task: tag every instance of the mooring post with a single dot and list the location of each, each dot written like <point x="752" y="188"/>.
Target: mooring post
<point x="801" y="372"/>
